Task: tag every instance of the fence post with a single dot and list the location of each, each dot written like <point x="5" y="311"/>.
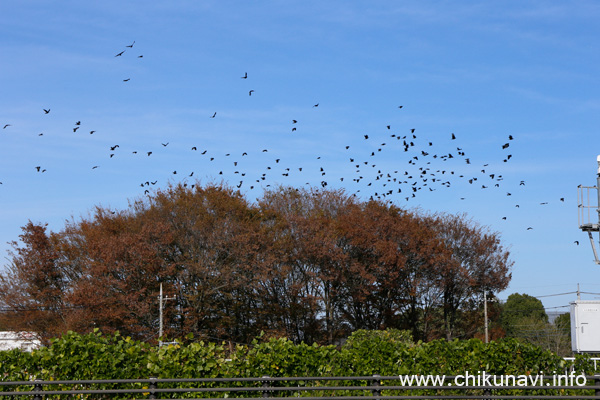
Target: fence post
<point x="151" y="386"/>
<point x="37" y="387"/>
<point x="487" y="392"/>
<point x="597" y="385"/>
<point x="376" y="382"/>
<point x="266" y="385"/>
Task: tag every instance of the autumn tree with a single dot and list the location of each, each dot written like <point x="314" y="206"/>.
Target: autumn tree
<point x="390" y="254"/>
<point x="310" y="264"/>
<point x="35" y="286"/>
<point x="217" y="252"/>
<point x="478" y="263"/>
<point x="310" y="276"/>
<point x="122" y="258"/>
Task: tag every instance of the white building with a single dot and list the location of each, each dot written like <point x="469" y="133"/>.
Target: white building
<point x="585" y="326"/>
<point x="26" y="341"/>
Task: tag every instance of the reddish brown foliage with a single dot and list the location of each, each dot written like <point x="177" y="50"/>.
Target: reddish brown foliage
<point x="312" y="265"/>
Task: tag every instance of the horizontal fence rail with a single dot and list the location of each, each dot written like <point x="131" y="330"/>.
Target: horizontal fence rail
<point x="309" y="388"/>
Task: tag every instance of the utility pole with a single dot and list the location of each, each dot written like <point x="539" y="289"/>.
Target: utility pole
<point x="161" y="300"/>
<point x="485" y="315"/>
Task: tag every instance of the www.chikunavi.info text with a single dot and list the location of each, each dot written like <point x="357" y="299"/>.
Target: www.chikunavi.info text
<point x="482" y="378"/>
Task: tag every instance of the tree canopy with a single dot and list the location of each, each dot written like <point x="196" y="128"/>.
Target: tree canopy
<point x="522" y="310"/>
<point x="310" y="264"/>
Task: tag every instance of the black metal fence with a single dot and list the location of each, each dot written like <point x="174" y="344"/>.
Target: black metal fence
<point x="309" y="388"/>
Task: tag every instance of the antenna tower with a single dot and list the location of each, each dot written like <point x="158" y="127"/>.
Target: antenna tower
<point x="588" y="222"/>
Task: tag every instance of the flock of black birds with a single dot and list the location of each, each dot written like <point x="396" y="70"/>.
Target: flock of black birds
<point x="418" y="164"/>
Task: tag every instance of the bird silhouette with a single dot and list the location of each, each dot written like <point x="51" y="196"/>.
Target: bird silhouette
<point x="46" y="111"/>
<point x="131" y="45"/>
<point x="214" y="115"/>
<point x="120" y="54"/>
<point x="245" y="75"/>
<point x="250" y="92"/>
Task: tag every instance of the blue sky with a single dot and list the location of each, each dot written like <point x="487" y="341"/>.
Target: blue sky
<point x="482" y="71"/>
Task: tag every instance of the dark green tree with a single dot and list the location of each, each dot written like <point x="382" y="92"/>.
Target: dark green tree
<point x="522" y="314"/>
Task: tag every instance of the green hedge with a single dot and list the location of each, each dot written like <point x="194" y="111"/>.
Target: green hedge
<point x="387" y="353"/>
